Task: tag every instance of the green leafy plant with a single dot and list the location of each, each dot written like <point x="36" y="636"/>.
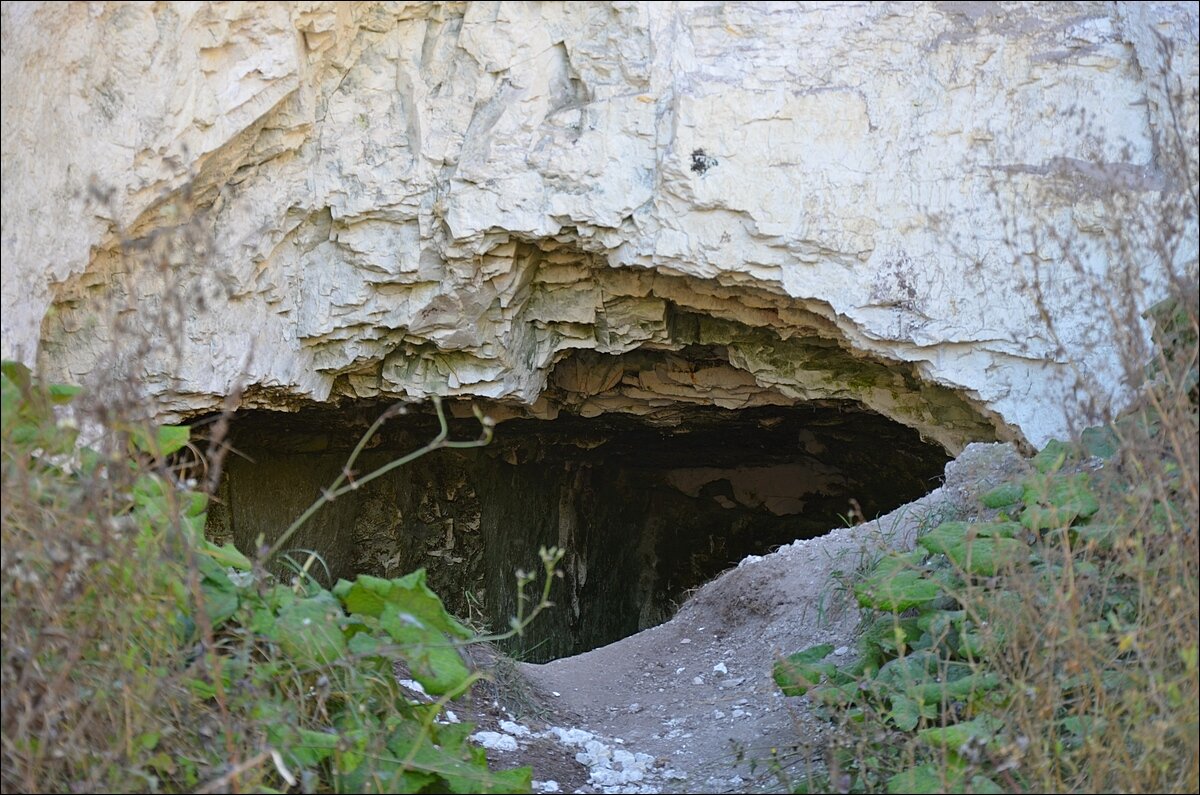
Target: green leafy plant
<point x="139" y="656"/>
<point x="937" y="661"/>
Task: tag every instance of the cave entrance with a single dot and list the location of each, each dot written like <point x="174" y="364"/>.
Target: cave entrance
<point x="647" y="510"/>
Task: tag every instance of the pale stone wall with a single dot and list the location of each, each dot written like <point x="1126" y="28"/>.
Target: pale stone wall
<point x="411" y="198"/>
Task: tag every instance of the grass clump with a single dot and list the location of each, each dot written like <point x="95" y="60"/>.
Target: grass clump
<point x="140" y="657"/>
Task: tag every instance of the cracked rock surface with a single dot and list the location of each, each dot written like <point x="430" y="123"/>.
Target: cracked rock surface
<point x="321" y="202"/>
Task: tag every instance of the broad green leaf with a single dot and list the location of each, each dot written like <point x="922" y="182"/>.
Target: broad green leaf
<point x="313" y="746"/>
<point x="1058" y="502"/>
<point x="921" y="779"/>
<point x="998" y="530"/>
<point x="831" y="695"/>
<point x="939" y="622"/>
<point x="162" y="441"/>
<point x="382" y="775"/>
<point x="172" y="438"/>
<point x="895" y="586"/>
<point x="988" y="556"/>
<point x="905" y="713"/>
<point x="1100" y="441"/>
<point x="17" y="373"/>
<point x="309" y="630"/>
<point x="1051" y="457"/>
<point x="1002" y="496"/>
<point x="927" y="680"/>
<point x="932" y="778"/>
<point x="364" y="644"/>
<point x="982" y="729"/>
<point x="1074" y="493"/>
<point x="447" y="754"/>
<point x="971" y="645"/>
<point x="812" y="654"/>
<point x="200" y="688"/>
<point x="1001" y="605"/>
<point x="220" y="594"/>
<point x="227" y="555"/>
<point x="982" y="785"/>
<point x="10" y="404"/>
<point x="1076" y="728"/>
<point x="941" y="538"/>
<point x="972" y="552"/>
<point x="796" y="673"/>
<point x="195" y="503"/>
<point x="959" y="689"/>
<point x="433" y="659"/>
<point x="517" y="779"/>
<point x="301" y="747"/>
<point x="1041" y="518"/>
<point x="949" y="533"/>
<point x="219" y="603"/>
<point x="893" y="635"/>
<point x="912" y="669"/>
<point x="870" y="658"/>
<point x="897" y="592"/>
<point x="61" y="394"/>
<point x="371" y="596"/>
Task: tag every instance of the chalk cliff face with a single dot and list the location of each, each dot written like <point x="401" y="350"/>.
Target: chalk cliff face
<point x="588" y="207"/>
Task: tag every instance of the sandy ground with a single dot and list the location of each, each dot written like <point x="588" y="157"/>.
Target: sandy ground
<point x="689" y="706"/>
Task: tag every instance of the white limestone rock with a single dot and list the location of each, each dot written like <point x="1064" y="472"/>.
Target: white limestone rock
<point x="405" y="199"/>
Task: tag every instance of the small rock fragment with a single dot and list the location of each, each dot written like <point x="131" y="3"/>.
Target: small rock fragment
<point x="495" y="741"/>
<point x="515" y="729"/>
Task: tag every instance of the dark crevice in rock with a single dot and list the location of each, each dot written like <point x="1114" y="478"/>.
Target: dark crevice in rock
<point x="647" y="511"/>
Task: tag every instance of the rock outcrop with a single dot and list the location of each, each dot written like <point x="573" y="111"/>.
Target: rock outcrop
<point x="592" y="207"/>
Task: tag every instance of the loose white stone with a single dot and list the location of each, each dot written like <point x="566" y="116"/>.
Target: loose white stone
<point x="495" y="741"/>
<point x="515" y="729"/>
<point x="569" y="736"/>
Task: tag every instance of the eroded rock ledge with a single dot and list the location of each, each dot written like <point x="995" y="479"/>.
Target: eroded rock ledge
<point x="547" y="329"/>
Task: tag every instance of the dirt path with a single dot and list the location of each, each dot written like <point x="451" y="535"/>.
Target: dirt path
<point x="669" y="709"/>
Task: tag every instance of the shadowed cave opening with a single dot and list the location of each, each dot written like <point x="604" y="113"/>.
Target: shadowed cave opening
<point x="646" y="511"/>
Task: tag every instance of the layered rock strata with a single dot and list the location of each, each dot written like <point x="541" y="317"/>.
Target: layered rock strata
<point x="594" y="206"/>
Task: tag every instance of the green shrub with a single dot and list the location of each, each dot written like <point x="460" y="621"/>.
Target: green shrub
<point x="1049" y="646"/>
<point x="138" y="656"/>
